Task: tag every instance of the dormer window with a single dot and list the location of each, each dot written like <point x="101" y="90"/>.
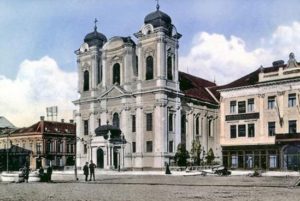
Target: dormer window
<point x="149" y="68"/>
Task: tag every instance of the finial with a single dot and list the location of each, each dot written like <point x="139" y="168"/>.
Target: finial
<point x="95" y="28"/>
<point x="157" y="4"/>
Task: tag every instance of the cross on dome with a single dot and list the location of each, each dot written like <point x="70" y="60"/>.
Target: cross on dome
<point x="157" y="4"/>
<point x="95" y="24"/>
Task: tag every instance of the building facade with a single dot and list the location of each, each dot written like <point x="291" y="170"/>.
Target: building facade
<point x="137" y="87"/>
<point x="39" y="145"/>
<point x="259" y="118"/>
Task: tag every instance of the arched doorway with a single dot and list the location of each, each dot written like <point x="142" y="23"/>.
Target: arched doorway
<point x="291" y="157"/>
<point x="100" y="158"/>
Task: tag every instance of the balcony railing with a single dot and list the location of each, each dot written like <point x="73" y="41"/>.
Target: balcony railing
<point x="287" y="137"/>
<point x="244" y="116"/>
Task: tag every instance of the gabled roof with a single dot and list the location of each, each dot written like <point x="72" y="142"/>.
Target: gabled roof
<point x="4" y="123"/>
<point x="195" y="87"/>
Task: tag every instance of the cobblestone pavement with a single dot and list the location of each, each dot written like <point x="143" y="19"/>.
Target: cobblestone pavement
<point x="133" y="187"/>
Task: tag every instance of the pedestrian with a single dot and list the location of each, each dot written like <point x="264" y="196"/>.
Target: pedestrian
<point x="168" y="169"/>
<point x="86" y="170"/>
<point x="41" y="173"/>
<point x="25" y="172"/>
<point x="92" y="167"/>
<point x="49" y="172"/>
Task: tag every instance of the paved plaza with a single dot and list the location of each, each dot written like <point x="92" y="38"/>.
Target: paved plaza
<point x="155" y="187"/>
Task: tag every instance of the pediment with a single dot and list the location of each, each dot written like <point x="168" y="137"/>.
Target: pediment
<point x="114" y="92"/>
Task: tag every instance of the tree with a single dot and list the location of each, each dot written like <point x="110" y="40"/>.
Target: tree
<point x="196" y="151"/>
<point x="181" y="155"/>
<point x="210" y="156"/>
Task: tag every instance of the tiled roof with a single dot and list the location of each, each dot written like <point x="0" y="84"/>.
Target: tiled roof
<point x="4" y="123"/>
<point x="49" y="127"/>
<point x="247" y="80"/>
<point x="195" y="87"/>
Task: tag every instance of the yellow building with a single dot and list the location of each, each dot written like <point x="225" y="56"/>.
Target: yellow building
<point x="259" y="118"/>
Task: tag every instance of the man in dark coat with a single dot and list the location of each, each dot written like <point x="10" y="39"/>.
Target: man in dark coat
<point x="25" y="172"/>
<point x="92" y="167"/>
<point x="49" y="172"/>
<point x="86" y="170"/>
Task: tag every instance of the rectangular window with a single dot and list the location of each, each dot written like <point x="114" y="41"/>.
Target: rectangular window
<point x="85" y="149"/>
<point x="292" y="100"/>
<point x="38" y="148"/>
<point x="133" y="123"/>
<point x="251" y="105"/>
<point x="292" y="126"/>
<point x="171" y="146"/>
<point x="273" y="161"/>
<point x="271" y="128"/>
<point x="232" y="107"/>
<point x="233" y="131"/>
<point x="149" y="146"/>
<point x="48" y="147"/>
<point x="68" y="148"/>
<point x="170" y="122"/>
<point x="86" y="127"/>
<point x="251" y="130"/>
<point x="133" y="147"/>
<point x="99" y="122"/>
<point x="210" y="128"/>
<point x="234" y="161"/>
<point x="149" y="122"/>
<point x="242" y="107"/>
<point x="242" y="130"/>
<point x="271" y="102"/>
<point x="72" y="148"/>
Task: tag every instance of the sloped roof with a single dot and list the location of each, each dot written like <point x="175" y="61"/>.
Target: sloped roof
<point x="247" y="80"/>
<point x="195" y="87"/>
<point x="49" y="127"/>
<point x="4" y="123"/>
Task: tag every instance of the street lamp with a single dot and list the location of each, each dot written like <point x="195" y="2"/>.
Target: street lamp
<point x="89" y="141"/>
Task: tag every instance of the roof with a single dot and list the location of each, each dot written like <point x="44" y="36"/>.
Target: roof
<point x="195" y="87"/>
<point x="95" y="38"/>
<point x="247" y="80"/>
<point x="49" y="127"/>
<point x="4" y="123"/>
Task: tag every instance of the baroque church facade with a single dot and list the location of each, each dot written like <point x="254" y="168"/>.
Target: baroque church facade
<point x="137" y="87"/>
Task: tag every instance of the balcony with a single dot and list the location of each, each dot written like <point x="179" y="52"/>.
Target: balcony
<point x="287" y="138"/>
<point x="244" y="116"/>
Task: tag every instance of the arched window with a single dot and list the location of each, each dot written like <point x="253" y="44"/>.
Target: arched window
<point x="86" y="78"/>
<point x="149" y="68"/>
<point x="99" y="72"/>
<point x="169" y="70"/>
<point x="197" y="126"/>
<point x="183" y="129"/>
<point x="116" y="73"/>
<point x="116" y="120"/>
<point x="137" y="66"/>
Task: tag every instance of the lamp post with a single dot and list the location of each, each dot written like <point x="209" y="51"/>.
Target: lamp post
<point x="89" y="141"/>
<point x="7" y="153"/>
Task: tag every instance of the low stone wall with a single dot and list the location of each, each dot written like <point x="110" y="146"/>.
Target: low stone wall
<point x="15" y="177"/>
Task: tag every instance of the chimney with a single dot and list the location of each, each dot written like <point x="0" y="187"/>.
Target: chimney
<point x="42" y="118"/>
<point x="71" y="121"/>
<point x="62" y="120"/>
<point x="278" y="63"/>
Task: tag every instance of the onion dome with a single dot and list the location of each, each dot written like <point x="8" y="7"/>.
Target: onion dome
<point x="159" y="19"/>
<point x="95" y="38"/>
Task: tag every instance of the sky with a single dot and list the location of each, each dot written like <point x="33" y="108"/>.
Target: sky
<point x="222" y="41"/>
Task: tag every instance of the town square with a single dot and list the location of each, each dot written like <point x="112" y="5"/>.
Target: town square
<point x="152" y="100"/>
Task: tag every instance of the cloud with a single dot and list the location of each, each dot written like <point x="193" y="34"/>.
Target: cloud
<point x="213" y="56"/>
<point x="38" y="84"/>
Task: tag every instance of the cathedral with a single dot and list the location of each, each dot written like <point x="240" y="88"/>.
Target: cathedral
<point x="133" y="86"/>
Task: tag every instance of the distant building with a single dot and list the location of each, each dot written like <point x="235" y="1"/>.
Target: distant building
<point x="260" y="118"/>
<point x="43" y="142"/>
<point x="137" y="87"/>
<point x="5" y="125"/>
